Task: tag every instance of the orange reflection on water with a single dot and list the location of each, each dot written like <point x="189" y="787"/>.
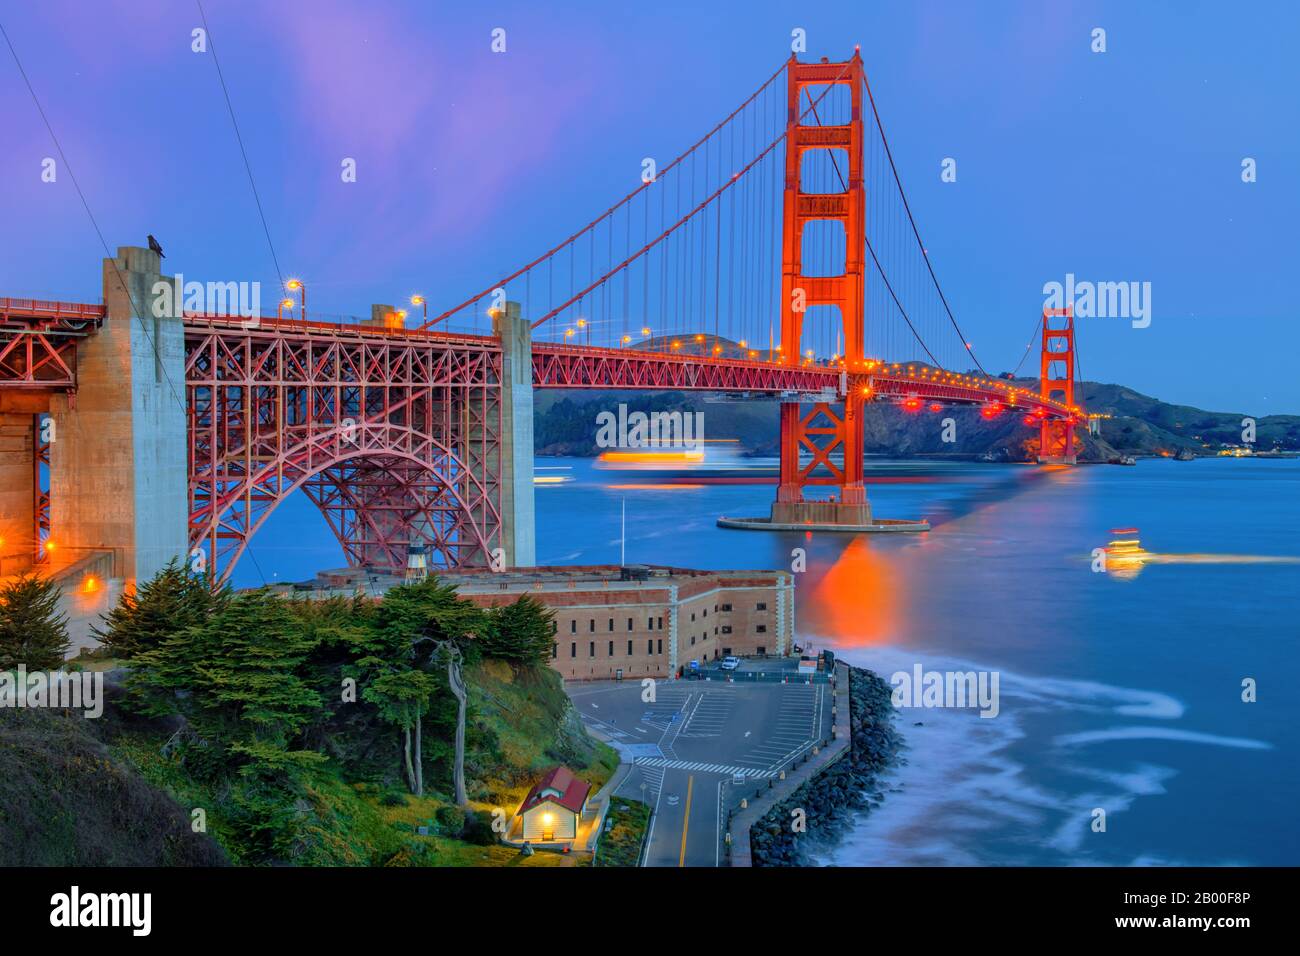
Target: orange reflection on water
<point x="858" y="599"/>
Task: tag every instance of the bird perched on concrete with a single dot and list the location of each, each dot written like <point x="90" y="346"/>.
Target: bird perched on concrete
<point x="155" y="247"/>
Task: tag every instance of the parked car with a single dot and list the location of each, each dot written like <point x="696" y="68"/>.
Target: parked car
<point x="730" y="663"/>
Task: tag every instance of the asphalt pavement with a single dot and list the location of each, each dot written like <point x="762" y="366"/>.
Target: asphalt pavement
<point x="685" y="738"/>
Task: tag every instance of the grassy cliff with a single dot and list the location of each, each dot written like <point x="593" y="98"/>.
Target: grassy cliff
<point x="520" y="722"/>
<point x="67" y="798"/>
<point x="109" y="792"/>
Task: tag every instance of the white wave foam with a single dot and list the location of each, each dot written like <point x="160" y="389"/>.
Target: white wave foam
<point x="1160" y="733"/>
<point x="978" y="791"/>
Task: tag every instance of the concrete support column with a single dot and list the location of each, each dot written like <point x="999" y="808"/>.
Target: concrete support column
<point x="519" y="536"/>
<point x="118" y="472"/>
<point x="17" y="487"/>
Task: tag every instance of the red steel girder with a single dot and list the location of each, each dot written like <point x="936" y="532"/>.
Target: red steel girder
<point x="565" y="366"/>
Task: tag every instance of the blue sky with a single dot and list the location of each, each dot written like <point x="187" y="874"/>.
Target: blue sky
<point x="1119" y="166"/>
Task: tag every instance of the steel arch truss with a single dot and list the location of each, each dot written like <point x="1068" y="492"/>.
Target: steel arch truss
<point x="396" y="439"/>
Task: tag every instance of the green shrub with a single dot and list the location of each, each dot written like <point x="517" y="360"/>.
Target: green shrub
<point x="478" y="829"/>
<point x="451" y="819"/>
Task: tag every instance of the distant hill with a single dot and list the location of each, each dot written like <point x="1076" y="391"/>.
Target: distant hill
<point x="565" y="422"/>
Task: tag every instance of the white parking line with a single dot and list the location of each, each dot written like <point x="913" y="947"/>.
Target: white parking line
<point x="700" y="766"/>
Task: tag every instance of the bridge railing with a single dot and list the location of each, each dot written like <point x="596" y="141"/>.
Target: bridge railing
<point x="356" y="326"/>
<point x="49" y="310"/>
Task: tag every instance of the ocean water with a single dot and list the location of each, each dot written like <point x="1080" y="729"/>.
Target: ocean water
<point x="1118" y="692"/>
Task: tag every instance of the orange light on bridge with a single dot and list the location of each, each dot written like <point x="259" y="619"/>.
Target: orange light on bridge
<point x="90" y="585"/>
<point x="296" y="285"/>
<point x="421" y="301"/>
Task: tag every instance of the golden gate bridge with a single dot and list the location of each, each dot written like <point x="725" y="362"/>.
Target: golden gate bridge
<point x="776" y="257"/>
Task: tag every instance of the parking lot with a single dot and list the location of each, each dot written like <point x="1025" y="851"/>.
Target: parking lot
<point x="692" y="735"/>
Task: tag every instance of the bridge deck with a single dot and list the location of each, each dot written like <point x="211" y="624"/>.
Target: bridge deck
<point x="35" y="354"/>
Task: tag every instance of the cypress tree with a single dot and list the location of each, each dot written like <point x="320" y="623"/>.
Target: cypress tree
<point x="521" y="633"/>
<point x="32" y="631"/>
<point x="170" y="602"/>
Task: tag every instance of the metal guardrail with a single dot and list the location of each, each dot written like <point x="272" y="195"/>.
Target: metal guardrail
<point x="49" y="309"/>
<point x="759" y="676"/>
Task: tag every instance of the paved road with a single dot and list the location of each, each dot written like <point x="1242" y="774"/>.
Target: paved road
<point x="691" y="737"/>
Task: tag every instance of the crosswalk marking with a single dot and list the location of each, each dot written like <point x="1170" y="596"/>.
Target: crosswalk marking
<point x="700" y="766"/>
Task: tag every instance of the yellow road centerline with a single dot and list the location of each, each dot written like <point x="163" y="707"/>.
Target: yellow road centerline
<point x="686" y="818"/>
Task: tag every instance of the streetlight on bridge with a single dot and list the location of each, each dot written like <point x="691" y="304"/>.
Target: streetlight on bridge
<point x="285" y="303"/>
<point x="296" y="285"/>
<point x="421" y="301"/>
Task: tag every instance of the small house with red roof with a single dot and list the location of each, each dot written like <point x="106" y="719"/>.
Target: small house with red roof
<point x="553" y="807"/>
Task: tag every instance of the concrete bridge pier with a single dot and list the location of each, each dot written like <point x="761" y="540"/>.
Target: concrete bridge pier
<point x="18" y="424"/>
<point x="118" y="475"/>
<point x="518" y="516"/>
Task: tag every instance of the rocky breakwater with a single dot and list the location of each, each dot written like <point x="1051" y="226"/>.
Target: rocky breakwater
<point x="816" y="816"/>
